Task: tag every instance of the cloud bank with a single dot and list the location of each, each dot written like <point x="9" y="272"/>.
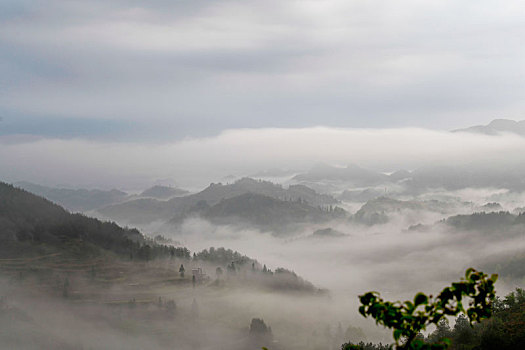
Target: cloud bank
<point x="194" y="162"/>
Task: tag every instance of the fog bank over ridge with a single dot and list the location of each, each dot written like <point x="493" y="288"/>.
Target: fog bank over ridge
<point x="195" y="162"/>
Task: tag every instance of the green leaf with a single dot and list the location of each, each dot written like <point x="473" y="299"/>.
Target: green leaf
<point x="397" y="334"/>
<point x="405" y="322"/>
<point x="420" y="298"/>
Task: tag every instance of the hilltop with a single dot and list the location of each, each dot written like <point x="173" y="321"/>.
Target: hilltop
<point x="148" y="210"/>
<point x="163" y="192"/>
<point x="263" y="212"/>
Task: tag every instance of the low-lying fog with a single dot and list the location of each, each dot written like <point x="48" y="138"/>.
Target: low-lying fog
<point x="408" y="250"/>
<point x="389" y="258"/>
<point x="395" y="258"/>
<point x="195" y="162"/>
<point x="386" y="258"/>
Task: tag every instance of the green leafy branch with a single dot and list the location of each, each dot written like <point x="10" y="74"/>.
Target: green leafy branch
<point x="409" y="318"/>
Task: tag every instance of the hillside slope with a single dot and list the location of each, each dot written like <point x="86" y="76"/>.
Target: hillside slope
<point x="32" y="222"/>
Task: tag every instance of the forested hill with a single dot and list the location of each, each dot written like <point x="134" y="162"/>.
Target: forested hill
<point x="27" y="218"/>
<point x="261" y="211"/>
<point x="32" y="228"/>
<point x="148" y="210"/>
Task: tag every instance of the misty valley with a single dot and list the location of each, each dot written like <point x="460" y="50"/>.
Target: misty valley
<point x="262" y="175"/>
<point x="274" y="259"/>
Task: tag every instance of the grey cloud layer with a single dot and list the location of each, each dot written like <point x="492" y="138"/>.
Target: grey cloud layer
<point x="194" y="68"/>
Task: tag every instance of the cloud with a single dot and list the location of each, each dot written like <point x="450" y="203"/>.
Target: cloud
<point x="208" y="66"/>
<point x="386" y="258"/>
<point x="195" y="162"/>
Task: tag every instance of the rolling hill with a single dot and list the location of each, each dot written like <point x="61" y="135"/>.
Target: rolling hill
<point x="163" y="192"/>
<point x="148" y="210"/>
<point x="75" y="199"/>
<point x="30" y="223"/>
<point x="260" y="211"/>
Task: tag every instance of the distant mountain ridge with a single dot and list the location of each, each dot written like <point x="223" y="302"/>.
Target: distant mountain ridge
<point x="75" y="199"/>
<point x="494" y="224"/>
<point x="84" y="200"/>
<point x="360" y="184"/>
<point x="148" y="210"/>
<point x="379" y="210"/>
<point x="261" y="211"/>
<point x="496" y="127"/>
<point x="163" y="192"/>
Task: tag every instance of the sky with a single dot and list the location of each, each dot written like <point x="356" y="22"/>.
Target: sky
<point x="106" y="82"/>
<point x="166" y="70"/>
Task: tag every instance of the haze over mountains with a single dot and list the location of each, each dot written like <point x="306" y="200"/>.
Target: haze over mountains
<point x="338" y="230"/>
<point x="163" y="192"/>
<point x="342" y="229"/>
<point x="353" y="178"/>
<point x="353" y="174"/>
<point x="498" y="126"/>
<point x="195" y="163"/>
<point x="209" y="200"/>
<point x="249" y="204"/>
<point x="368" y="194"/>
<point x="83" y="200"/>
<point x="240" y="175"/>
<point x="260" y="211"/>
<point x="104" y="269"/>
<point x="352" y="193"/>
<point x="26" y="219"/>
<point x="76" y="199"/>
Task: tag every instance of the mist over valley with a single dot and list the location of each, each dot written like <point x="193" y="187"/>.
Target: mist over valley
<point x="277" y="175"/>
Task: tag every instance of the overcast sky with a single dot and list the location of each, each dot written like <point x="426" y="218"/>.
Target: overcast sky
<point x="162" y="69"/>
